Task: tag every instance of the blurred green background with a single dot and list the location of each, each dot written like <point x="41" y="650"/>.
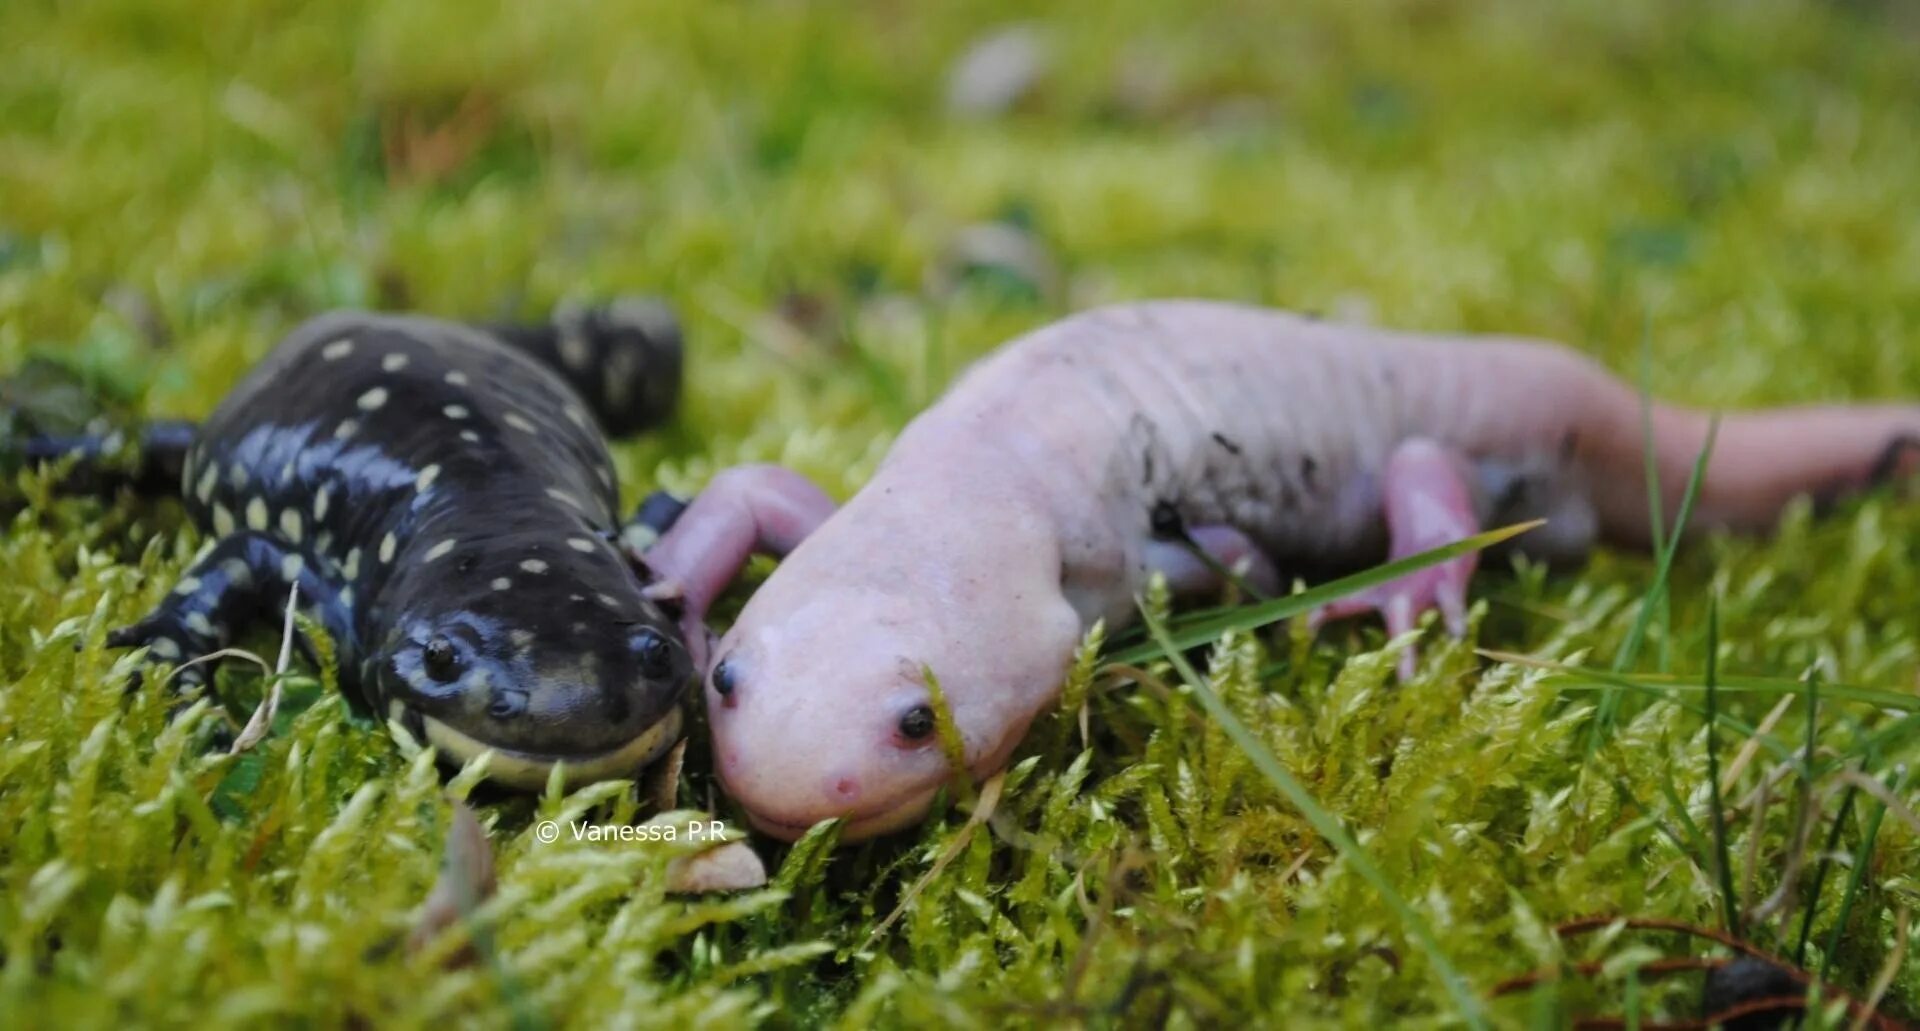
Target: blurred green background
<point x="844" y="217"/>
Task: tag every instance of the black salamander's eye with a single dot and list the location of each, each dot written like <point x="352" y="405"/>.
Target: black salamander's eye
<point x="917" y="723"/>
<point x="442" y="662"/>
<point x="656" y="655"/>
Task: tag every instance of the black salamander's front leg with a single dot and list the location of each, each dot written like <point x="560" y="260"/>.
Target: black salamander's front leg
<point x="623" y="357"/>
<point x="244" y="576"/>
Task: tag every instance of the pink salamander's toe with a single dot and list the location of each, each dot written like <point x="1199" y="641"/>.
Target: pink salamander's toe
<point x="1427" y="506"/>
<point x="746" y="509"/>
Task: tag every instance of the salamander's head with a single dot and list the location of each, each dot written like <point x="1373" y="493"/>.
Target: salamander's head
<point x="820" y="707"/>
<point x="544" y="651"/>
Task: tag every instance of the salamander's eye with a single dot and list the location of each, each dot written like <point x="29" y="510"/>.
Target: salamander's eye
<point x="916" y="723"/>
<point x="724" y="677"/>
<point x="656" y="655"/>
<point x="440" y="659"/>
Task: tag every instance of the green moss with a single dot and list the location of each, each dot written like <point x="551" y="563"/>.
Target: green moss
<point x="1742" y="180"/>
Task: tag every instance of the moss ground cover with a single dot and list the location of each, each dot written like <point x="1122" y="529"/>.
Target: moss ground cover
<point x="1734" y="189"/>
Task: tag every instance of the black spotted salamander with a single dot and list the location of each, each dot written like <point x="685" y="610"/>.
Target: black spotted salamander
<point x="443" y="498"/>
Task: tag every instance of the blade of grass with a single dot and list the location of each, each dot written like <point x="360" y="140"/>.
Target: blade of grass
<point x="1820" y="875"/>
<point x="1587" y="678"/>
<point x="1603" y="680"/>
<point x="1813" y="725"/>
<point x="1858" y="875"/>
<point x="1328" y="826"/>
<point x="1252" y="617"/>
<point x="1608" y="711"/>
<point x="1890" y="738"/>
<point x="1722" y="860"/>
<point x="1656" y="512"/>
<point x="1656" y="509"/>
<point x="1696" y="843"/>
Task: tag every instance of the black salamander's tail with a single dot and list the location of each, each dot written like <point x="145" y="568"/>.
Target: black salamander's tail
<point x="624" y="357"/>
<point x="149" y="461"/>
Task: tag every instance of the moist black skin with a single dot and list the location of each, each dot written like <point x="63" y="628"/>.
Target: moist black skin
<point x="1748" y="979"/>
<point x="443" y="498"/>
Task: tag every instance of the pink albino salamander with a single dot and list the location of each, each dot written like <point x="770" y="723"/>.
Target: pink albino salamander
<point x="1045" y="488"/>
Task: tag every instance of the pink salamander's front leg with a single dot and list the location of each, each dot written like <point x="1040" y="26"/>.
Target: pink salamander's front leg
<point x="745" y="509"/>
<point x="1427" y="506"/>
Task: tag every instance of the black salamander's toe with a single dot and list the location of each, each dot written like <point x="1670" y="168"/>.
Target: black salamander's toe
<point x="170" y="642"/>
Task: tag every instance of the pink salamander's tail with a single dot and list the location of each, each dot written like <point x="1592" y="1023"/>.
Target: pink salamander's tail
<point x="1761" y="461"/>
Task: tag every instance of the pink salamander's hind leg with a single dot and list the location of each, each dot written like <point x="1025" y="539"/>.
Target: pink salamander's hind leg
<point x="746" y="509"/>
<point x="1427" y="506"/>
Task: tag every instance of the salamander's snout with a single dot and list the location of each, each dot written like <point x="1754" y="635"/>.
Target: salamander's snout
<point x="855" y="741"/>
<point x="601" y="697"/>
<point x="821" y="700"/>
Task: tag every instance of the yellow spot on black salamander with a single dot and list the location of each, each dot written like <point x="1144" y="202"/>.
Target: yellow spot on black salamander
<point x="164" y="647"/>
<point x="455" y="411"/>
<point x="290" y="527"/>
<point x="208" y="480"/>
<point x="501" y="583"/>
<point x="351" y="567"/>
<point x="347" y="428"/>
<point x="372" y="399"/>
<point x="580" y="544"/>
<point x="291" y="568"/>
<point x="322" y="498"/>
<point x="565" y="498"/>
<point x="439" y="550"/>
<point x="237" y="572"/>
<point x="534" y="565"/>
<point x="187" y="586"/>
<point x="469" y="436"/>
<point x="337" y="350"/>
<point x="257" y="514"/>
<point x="222" y="520"/>
<point x="519" y="422"/>
<point x="199" y="624"/>
<point x="393" y="363"/>
<point x="457" y="378"/>
<point x="388" y="545"/>
<point x="426" y="478"/>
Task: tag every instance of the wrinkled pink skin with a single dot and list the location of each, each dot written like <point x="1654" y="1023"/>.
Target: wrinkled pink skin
<point x="1019" y="509"/>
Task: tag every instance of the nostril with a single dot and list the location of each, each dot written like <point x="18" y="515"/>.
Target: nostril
<point x="846" y="788"/>
<point x="507" y="704"/>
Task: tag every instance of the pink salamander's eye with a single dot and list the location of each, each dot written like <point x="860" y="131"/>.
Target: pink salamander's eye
<point x="723" y="677"/>
<point x="917" y="723"/>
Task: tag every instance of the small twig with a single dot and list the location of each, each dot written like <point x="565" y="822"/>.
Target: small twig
<point x="261" y="722"/>
<point x="1792" y="970"/>
<point x="224" y="653"/>
<point x="1752" y="747"/>
<point x="1657" y="968"/>
<point x="1880" y="791"/>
